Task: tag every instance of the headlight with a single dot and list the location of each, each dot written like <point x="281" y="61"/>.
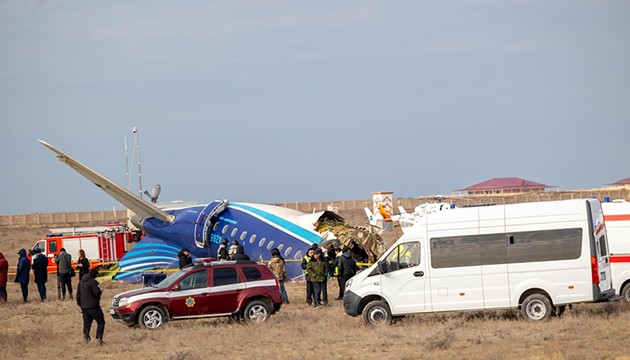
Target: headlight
<point x="348" y="284"/>
<point x="120" y="301"/>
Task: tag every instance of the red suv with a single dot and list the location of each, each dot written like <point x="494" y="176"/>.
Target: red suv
<point x="242" y="289"/>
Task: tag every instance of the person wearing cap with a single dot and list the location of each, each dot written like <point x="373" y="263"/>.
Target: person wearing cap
<point x="4" y="272"/>
<point x="184" y="258"/>
<point x="278" y="268"/>
<point x="88" y="299"/>
<point x="40" y="267"/>
<point x="317" y="271"/>
<point x="22" y="275"/>
<point x="65" y="271"/>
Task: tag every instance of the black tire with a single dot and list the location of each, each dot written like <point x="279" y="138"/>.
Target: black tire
<point x="377" y="313"/>
<point x="625" y="293"/>
<point x="151" y="317"/>
<point x="536" y="307"/>
<point x="256" y="312"/>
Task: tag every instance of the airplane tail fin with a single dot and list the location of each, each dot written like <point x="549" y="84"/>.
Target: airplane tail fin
<point x="370" y="216"/>
<point x="140" y="207"/>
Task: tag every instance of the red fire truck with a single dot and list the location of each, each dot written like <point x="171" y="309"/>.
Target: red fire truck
<point x="102" y="244"/>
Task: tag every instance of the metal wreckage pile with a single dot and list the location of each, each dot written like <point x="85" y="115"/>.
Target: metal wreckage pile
<point x="366" y="244"/>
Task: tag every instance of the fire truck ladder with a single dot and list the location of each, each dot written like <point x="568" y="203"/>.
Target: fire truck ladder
<point x="105" y="245"/>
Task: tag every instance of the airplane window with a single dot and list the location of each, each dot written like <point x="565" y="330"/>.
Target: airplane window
<point x="280" y="247"/>
<point x="262" y="242"/>
<point x="225" y="229"/>
<point x="234" y="232"/>
<point x="243" y="235"/>
<point x="298" y="255"/>
<point x="288" y="251"/>
<point x="270" y="245"/>
<point x="216" y="226"/>
<point x="252" y="239"/>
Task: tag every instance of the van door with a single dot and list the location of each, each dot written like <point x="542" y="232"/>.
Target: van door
<point x="403" y="283"/>
<point x="601" y="251"/>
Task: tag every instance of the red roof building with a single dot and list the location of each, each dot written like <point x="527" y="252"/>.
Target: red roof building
<point x="622" y="182"/>
<point x="511" y="185"/>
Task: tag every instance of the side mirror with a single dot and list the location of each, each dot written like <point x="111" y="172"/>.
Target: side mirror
<point x="382" y="267"/>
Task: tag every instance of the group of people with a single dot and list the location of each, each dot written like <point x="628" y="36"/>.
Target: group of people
<point x="319" y="265"/>
<point x="88" y="294"/>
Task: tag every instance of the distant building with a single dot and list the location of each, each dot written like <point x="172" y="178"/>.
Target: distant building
<point x="622" y="182"/>
<point x="511" y="185"/>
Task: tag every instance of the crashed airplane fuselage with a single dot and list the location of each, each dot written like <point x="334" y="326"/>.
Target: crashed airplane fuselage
<point x="259" y="228"/>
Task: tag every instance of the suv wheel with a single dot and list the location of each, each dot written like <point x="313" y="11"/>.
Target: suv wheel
<point x="256" y="311"/>
<point x="151" y="317"/>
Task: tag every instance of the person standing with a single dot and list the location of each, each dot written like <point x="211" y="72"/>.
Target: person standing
<point x="89" y="298"/>
<point x="83" y="264"/>
<point x="222" y="253"/>
<point x="40" y="270"/>
<point x="4" y="272"/>
<point x="347" y="269"/>
<point x="65" y="271"/>
<point x="278" y="268"/>
<point x="232" y="249"/>
<point x="184" y="258"/>
<point x="240" y="254"/>
<point x="22" y="275"/>
<point x="309" y="285"/>
<point x="316" y="269"/>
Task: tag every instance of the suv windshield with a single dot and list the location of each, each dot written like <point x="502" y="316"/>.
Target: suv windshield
<point x="172" y="278"/>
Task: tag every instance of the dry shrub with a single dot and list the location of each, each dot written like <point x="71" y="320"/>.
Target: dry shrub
<point x="440" y="340"/>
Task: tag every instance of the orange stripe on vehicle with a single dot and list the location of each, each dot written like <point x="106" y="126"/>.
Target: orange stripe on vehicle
<point x="619" y="259"/>
<point x="616" y="217"/>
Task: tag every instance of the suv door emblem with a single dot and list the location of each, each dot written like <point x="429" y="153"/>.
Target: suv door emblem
<point x="190" y="301"/>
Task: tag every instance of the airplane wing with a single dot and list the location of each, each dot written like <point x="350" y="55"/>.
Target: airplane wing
<point x="124" y="196"/>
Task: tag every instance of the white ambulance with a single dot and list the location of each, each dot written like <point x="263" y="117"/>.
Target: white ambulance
<point x="617" y="217"/>
<point x="537" y="257"/>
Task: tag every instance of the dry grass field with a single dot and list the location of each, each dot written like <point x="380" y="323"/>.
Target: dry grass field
<point x="53" y="330"/>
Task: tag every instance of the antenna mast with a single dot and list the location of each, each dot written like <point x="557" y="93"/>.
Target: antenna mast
<point x="137" y="132"/>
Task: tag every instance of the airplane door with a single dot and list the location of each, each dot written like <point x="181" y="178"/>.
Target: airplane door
<point x="403" y="284"/>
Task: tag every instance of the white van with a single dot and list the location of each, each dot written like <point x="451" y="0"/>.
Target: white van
<point x="617" y="217"/>
<point x="537" y="257"/>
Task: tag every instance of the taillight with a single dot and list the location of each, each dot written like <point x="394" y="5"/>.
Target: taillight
<point x="594" y="270"/>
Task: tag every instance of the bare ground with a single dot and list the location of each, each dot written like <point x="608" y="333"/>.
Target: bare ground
<point x="53" y="329"/>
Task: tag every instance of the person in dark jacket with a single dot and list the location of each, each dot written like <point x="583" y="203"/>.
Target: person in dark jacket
<point x="40" y="270"/>
<point x="22" y="275"/>
<point x="65" y="272"/>
<point x="4" y="272"/>
<point x="222" y="253"/>
<point x="232" y="249"/>
<point x="240" y="254"/>
<point x="347" y="268"/>
<point x="184" y="258"/>
<point x="83" y="264"/>
<point x="309" y="285"/>
<point x="88" y="298"/>
<point x="317" y="271"/>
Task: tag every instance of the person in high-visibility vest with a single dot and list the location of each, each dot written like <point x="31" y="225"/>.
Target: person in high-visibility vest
<point x="309" y="285"/>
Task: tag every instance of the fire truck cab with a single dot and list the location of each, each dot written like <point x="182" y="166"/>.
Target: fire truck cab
<point x="102" y="244"/>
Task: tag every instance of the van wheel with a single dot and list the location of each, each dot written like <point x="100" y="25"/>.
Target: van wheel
<point x="256" y="312"/>
<point x="151" y="317"/>
<point x="377" y="313"/>
<point x="536" y="307"/>
<point x="625" y="293"/>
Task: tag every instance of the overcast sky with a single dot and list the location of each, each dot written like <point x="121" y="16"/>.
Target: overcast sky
<point x="283" y="101"/>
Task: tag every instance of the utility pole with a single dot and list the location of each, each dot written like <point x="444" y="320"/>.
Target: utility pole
<point x="137" y="132"/>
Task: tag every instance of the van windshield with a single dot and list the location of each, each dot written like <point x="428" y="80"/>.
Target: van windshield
<point x="172" y="278"/>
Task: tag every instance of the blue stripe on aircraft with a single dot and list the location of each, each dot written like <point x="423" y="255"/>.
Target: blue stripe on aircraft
<point x="285" y="224"/>
<point x="145" y="259"/>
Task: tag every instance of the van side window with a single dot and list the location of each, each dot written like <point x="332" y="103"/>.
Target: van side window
<point x="404" y="256"/>
<point x="52" y="247"/>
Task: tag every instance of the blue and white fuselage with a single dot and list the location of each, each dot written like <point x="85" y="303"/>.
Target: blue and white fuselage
<point x="259" y="228"/>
